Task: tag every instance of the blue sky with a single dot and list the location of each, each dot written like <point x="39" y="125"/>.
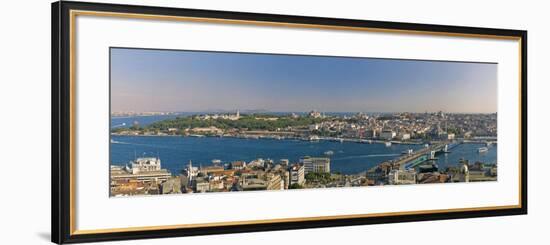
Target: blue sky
<point x="168" y="80"/>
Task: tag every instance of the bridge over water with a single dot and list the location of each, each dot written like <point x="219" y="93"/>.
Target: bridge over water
<point x="416" y="158"/>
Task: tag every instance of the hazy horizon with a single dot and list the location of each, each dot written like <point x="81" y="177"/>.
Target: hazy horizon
<point x="144" y="80"/>
<point x="259" y="111"/>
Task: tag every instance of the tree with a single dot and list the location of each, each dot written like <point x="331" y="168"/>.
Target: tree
<point x="295" y="186"/>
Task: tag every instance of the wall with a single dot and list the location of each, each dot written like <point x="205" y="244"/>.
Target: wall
<point x="25" y="103"/>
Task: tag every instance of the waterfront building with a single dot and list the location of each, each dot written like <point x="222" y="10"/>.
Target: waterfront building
<point x="145" y="164"/>
<point x="402" y="177"/>
<point x="297" y="174"/>
<point x="369" y="134"/>
<point x="315" y="164"/>
<point x="405" y="136"/>
<point x="387" y="134"/>
<point x="145" y="170"/>
<point x="238" y="165"/>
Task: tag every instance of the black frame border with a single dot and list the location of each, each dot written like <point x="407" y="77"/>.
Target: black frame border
<point x="60" y="185"/>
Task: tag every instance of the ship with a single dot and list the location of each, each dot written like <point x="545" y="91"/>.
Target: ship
<point x="196" y="135"/>
<point x="314" y="138"/>
<point x="407" y="152"/>
<point x="388" y="143"/>
<point x="482" y="149"/>
<point x="328" y="153"/>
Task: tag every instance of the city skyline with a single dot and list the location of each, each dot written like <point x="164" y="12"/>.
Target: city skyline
<point x="194" y="81"/>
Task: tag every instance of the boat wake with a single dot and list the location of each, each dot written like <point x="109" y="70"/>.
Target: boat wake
<point x="120" y="142"/>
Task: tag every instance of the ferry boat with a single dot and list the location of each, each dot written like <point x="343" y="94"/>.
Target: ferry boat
<point x="314" y="138"/>
<point x="337" y="139"/>
<point x="328" y="153"/>
<point x="407" y="152"/>
<point x="482" y="149"/>
<point x="196" y="135"/>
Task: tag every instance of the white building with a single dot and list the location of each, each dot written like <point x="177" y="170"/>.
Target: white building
<point x="145" y="164"/>
<point x="297" y="174"/>
<point x="315" y="164"/>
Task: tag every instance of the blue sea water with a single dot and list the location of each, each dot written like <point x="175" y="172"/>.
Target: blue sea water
<point x="175" y="152"/>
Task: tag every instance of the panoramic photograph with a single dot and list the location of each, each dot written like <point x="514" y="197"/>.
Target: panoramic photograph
<point x="189" y="122"/>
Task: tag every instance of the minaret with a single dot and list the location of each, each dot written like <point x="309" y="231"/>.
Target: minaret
<point x="238" y="114"/>
<point x="190" y="170"/>
<point x="464" y="171"/>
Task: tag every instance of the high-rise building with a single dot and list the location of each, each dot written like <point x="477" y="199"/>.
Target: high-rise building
<point x="274" y="182"/>
<point x="297" y="174"/>
<point x="315" y="164"/>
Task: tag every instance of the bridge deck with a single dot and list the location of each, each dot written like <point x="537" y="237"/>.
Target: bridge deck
<point x="409" y="158"/>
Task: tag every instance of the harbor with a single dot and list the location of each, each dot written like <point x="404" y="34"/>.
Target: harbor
<point x="347" y="157"/>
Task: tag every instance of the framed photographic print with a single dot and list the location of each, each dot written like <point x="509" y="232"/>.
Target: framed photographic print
<point x="175" y="122"/>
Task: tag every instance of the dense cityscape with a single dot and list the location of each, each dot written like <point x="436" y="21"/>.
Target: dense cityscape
<point x="434" y="134"/>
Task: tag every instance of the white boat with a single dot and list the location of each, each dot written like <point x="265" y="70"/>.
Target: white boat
<point x="482" y="149"/>
<point x="314" y="138"/>
<point x="407" y="152"/>
<point x="328" y="153"/>
<point x="388" y="144"/>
